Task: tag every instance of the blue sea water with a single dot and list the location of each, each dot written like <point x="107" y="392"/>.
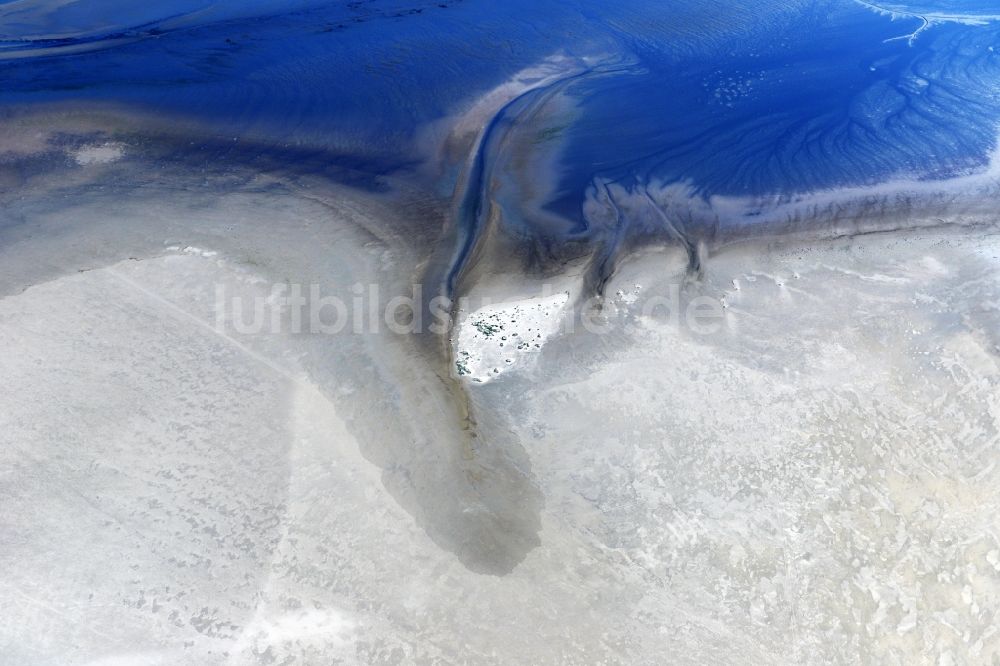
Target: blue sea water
<point x="728" y="98"/>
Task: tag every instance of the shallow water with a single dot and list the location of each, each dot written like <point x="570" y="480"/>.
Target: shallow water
<point x="775" y="100"/>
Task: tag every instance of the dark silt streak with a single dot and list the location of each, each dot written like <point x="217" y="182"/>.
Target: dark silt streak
<point x="603" y="265"/>
<point x="678" y="233"/>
